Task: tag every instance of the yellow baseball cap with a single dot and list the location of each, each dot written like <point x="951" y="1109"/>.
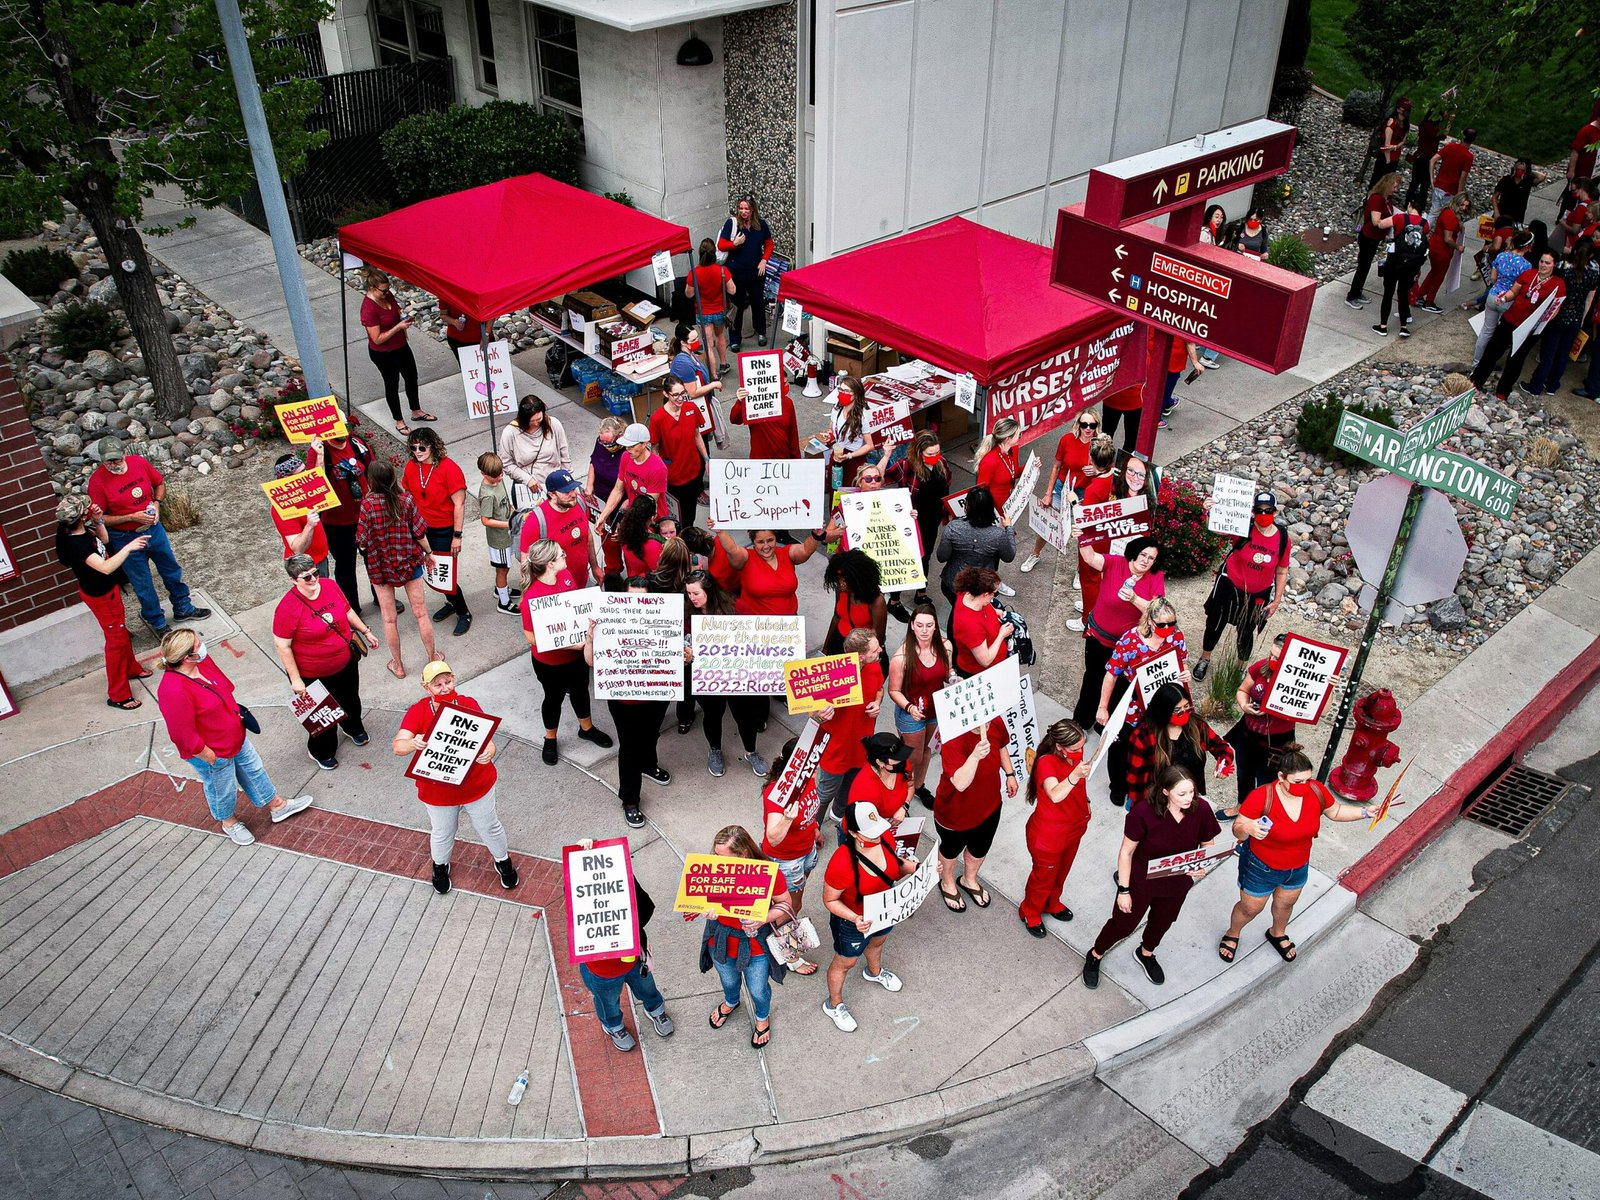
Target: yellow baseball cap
<point x="435" y="669"/>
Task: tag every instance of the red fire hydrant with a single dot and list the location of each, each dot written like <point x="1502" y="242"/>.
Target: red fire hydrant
<point x="1356" y="776"/>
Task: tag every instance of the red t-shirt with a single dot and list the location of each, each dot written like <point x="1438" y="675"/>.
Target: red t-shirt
<point x="130" y="492"/>
<point x="318" y="650"/>
<point x="849" y="725"/>
<point x="1072" y="456"/>
<point x="804" y="833"/>
<point x="288" y="527"/>
<point x="565" y="582"/>
<point x="780" y="895"/>
<point x="633" y="564"/>
<point x="1455" y="160"/>
<point x="848" y="612"/>
<point x="1584" y="143"/>
<point x="1287" y="845"/>
<point x="768" y="590"/>
<point x="998" y="473"/>
<point x="1533" y="292"/>
<point x="569" y="530"/>
<point x="471" y="332"/>
<point x="867" y="788"/>
<point x="841" y="873"/>
<point x="970" y="808"/>
<point x="372" y="313"/>
<point x="1374" y="210"/>
<point x="480" y="778"/>
<point x="1053" y="823"/>
<point x="721" y="568"/>
<point x="711" y="289"/>
<point x="432" y="487"/>
<point x="1258" y="557"/>
<point x="1449" y="222"/>
<point x="971" y="628"/>
<point x="648" y="477"/>
<point x="771" y="437"/>
<point x="1177" y="356"/>
<point x="349" y="510"/>
<point x="677" y="440"/>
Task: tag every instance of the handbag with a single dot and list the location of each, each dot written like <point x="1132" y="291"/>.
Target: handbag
<point x="732" y="228"/>
<point x="248" y="720"/>
<point x="357" y="645"/>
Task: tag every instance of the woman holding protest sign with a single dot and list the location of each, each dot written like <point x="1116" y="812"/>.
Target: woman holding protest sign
<point x="641" y="544"/>
<point x="846" y="435"/>
<point x="321" y="639"/>
<point x="966" y="807"/>
<point x="768" y="585"/>
<point x="445" y="802"/>
<point x="996" y="460"/>
<point x="1060" y="816"/>
<point x="918" y="669"/>
<point x="440" y="490"/>
<point x="1249" y="584"/>
<point x="882" y="783"/>
<point x="738" y="950"/>
<point x="561" y="673"/>
<point x="865" y="865"/>
<point x="638" y="725"/>
<point x="394" y="542"/>
<point x="791" y="834"/>
<point x="1070" y="470"/>
<point x="607" y="977"/>
<point x="858" y="602"/>
<point x="848" y="724"/>
<point x="1129" y="584"/>
<point x="976" y="630"/>
<point x="706" y="599"/>
<point x="1275" y="827"/>
<point x="1259" y="734"/>
<point x="770" y="437"/>
<point x="1169" y="822"/>
<point x="1171" y="732"/>
<point x="1151" y="639"/>
<point x="924" y="473"/>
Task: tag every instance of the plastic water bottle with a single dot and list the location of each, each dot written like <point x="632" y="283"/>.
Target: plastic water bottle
<point x="517" y="1088"/>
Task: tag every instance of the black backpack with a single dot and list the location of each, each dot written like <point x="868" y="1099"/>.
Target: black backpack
<point x="1410" y="239"/>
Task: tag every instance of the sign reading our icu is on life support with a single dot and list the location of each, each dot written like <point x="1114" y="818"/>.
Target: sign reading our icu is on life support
<point x="483" y="383"/>
<point x="1304" y="681"/>
<point x="602" y="919"/>
<point x="766" y="493"/>
<point x="452" y="744"/>
<point x="743" y="656"/>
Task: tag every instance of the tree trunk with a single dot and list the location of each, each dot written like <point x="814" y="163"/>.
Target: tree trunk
<point x="121" y="242"/>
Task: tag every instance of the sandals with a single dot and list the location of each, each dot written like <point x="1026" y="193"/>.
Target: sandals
<point x="1285" y="948"/>
<point x="127" y="705"/>
<point x="953" y="901"/>
<point x="760" y="1037"/>
<point x="402" y="429"/>
<point x="1227" y="948"/>
<point x="803" y="966"/>
<point x="979" y="897"/>
<point x="396" y="669"/>
<point x="721" y="1013"/>
<point x="418" y="415"/>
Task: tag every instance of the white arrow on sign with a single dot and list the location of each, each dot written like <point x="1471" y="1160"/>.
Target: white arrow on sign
<point x="1122" y="251"/>
<point x="1115" y="295"/>
<point x="1116" y="273"/>
<point x="1160" y="190"/>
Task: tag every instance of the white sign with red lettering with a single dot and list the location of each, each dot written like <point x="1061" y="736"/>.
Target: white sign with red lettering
<point x="481" y="383"/>
<point x="1189" y="860"/>
<point x="631" y="349"/>
<point x="761" y="377"/>
<point x="439" y="572"/>
<point x="1304" y="681"/>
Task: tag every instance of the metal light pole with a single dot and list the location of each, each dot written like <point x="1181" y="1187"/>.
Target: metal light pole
<point x="271" y="184"/>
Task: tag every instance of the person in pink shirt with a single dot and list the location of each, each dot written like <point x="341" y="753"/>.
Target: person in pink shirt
<point x="642" y="473"/>
<point x="317" y="635"/>
<point x="208" y="728"/>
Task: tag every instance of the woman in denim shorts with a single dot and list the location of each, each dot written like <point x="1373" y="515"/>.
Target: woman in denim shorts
<point x="864" y="866"/>
<point x="919" y="668"/>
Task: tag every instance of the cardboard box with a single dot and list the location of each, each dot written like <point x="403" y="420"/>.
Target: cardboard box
<point x="642" y="313"/>
<point x="852" y="355"/>
<point x="590" y="306"/>
<point x="954" y="423"/>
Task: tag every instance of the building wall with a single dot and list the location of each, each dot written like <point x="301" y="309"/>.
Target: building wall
<point x="761" y="76"/>
<point x="41" y="586"/>
<point x="996" y="109"/>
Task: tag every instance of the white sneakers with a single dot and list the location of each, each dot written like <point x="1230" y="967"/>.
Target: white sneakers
<point x="1005" y="589"/>
<point x="887" y="979"/>
<point x="298" y="805"/>
<point x="240" y="835"/>
<point x="1075" y="624"/>
<point x="1077" y="583"/>
<point x="840" y="1016"/>
<point x="1030" y="563"/>
<point x="1077" y="604"/>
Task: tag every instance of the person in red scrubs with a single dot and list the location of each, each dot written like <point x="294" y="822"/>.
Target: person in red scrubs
<point x="966" y="808"/>
<point x="770" y="437"/>
<point x="768" y="586"/>
<point x="975" y="627"/>
<point x="996" y="459"/>
<point x="1060" y="816"/>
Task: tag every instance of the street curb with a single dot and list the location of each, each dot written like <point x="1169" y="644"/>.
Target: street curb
<point x="1554" y="701"/>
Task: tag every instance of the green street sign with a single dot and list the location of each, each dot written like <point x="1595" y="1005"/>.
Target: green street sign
<point x="1449" y="473"/>
<point x="1438" y="425"/>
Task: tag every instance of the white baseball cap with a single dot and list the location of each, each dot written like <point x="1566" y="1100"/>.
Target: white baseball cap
<point x="865" y="819"/>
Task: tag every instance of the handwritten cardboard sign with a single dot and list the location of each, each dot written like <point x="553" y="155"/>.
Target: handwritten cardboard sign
<point x="967" y="703"/>
<point x="761" y="377"/>
<point x="883" y="524"/>
<point x="439" y="572"/>
<point x="726" y="887"/>
<point x="452" y="743"/>
<point x="1304" y="681"/>
<point x="638" y="647"/>
<point x="561" y="621"/>
<point x="1022" y="493"/>
<point x="1052" y="523"/>
<point x="482" y="383"/>
<point x="301" y="493"/>
<point x="315" y="709"/>
<point x="813" y="683"/>
<point x="743" y="656"/>
<point x="1231" y="500"/>
<point x="602" y="917"/>
<point x="886" y="909"/>
<point x="1022" y="729"/>
<point x="1151" y="674"/>
<point x="766" y="493"/>
<point x="1115" y="519"/>
<point x="318" y="417"/>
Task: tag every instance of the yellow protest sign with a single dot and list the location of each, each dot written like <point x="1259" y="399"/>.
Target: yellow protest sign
<point x="813" y="683"/>
<point x="726" y="887"/>
<point x="301" y="493"/>
<point x="882" y="523"/>
<point x="318" y="417"/>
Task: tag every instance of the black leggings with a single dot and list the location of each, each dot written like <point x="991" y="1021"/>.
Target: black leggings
<point x="688" y="497"/>
<point x="638" y="727"/>
<point x="750" y="293"/>
<point x="748" y="713"/>
<point x="439" y="539"/>
<point x="395" y="365"/>
<point x="560" y="682"/>
<point x="1228" y="605"/>
<point x="1366" y="250"/>
<point x="1401" y="278"/>
<point x="1096" y="655"/>
<point x="1129" y="419"/>
<point x="344" y="688"/>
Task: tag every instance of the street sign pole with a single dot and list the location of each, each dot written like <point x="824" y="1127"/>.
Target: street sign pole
<point x="1391" y="572"/>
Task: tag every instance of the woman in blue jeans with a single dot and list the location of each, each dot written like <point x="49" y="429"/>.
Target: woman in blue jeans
<point x="738" y="950"/>
<point x="605" y="979"/>
<point x="207" y="726"/>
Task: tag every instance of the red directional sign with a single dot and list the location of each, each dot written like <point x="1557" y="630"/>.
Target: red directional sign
<point x="1244" y="308"/>
<point x="1133" y="189"/>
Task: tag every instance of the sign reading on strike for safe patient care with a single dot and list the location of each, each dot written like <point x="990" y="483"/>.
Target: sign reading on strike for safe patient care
<point x="482" y="384"/>
<point x="318" y="417"/>
<point x="1231" y="501"/>
<point x="882" y="523"/>
<point x="743" y="656"/>
<point x="766" y="493"/>
<point x="815" y="683"/>
<point x="602" y="918"/>
<point x="1304" y="681"/>
<point x="638" y="646"/>
<point x="978" y="699"/>
<point x="885" y="909"/>
<point x="452" y="744"/>
<point x="761" y="377"/>
<point x="301" y="493"/>
<point x="720" y="886"/>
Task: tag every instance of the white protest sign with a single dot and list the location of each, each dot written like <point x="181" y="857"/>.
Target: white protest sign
<point x="761" y="377"/>
<point x="1231" y="500"/>
<point x="1052" y="523"/>
<point x="798" y="779"/>
<point x="1304" y="680"/>
<point x="1113" y="730"/>
<point x="1151" y="674"/>
<point x="1022" y="493"/>
<point x="561" y="621"/>
<point x="482" y="384"/>
<point x="638" y="647"/>
<point x="602" y="919"/>
<point x="1022" y="729"/>
<point x="888" y="908"/>
<point x="451" y="745"/>
<point x="632" y="348"/>
<point x="439" y="572"/>
<point x="766" y="493"/>
<point x="886" y="420"/>
<point x="1115" y="518"/>
<point x="1189" y="860"/>
<point x="978" y="699"/>
<point x="315" y="709"/>
<point x="743" y="656"/>
<point x="1533" y="322"/>
<point x="1452" y="278"/>
<point x="661" y="267"/>
<point x="882" y="524"/>
<point x="792" y="317"/>
<point x="967" y="393"/>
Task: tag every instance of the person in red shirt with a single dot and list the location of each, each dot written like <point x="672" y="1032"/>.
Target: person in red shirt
<point x="563" y="518"/>
<point x="865" y="865"/>
<point x="918" y="669"/>
<point x="317" y="636"/>
<point x="1576" y="219"/>
<point x="1276" y="824"/>
<point x="562" y="673"/>
<point x="1105" y="482"/>
<point x="976" y="630"/>
<point x="675" y="429"/>
<point x="996" y="457"/>
<point x="1060" y="817"/>
<point x="607" y="977"/>
<point x="966" y="808"/>
<point x="1123" y="405"/>
<point x="1260" y="734"/>
<point x="737" y="949"/>
<point x="1447" y="240"/>
<point x="1533" y="288"/>
<point x="344" y="461"/>
<point x="207" y="728"/>
<point x="81" y="548"/>
<point x="1377" y="217"/>
<point x="1393" y="140"/>
<point x="641" y="473"/>
<point x="1580" y="162"/>
<point x="1450" y="167"/>
<point x="709" y="285"/>
<point x="882" y="783"/>
<point x="460" y="330"/>
<point x="770" y="437"/>
<point x="1249" y="584"/>
<point x="1182" y="354"/>
<point x="1173" y="823"/>
<point x="1070" y="469"/>
<point x="445" y="802"/>
<point x="791" y="829"/>
<point x="386" y="327"/>
<point x="768" y="585"/>
<point x="128" y="491"/>
<point x="303" y="534"/>
<point x="846" y="725"/>
<point x="440" y="490"/>
<point x="859" y="603"/>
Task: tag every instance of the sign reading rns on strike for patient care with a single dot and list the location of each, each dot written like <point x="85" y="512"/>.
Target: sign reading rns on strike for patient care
<point x="602" y="918"/>
<point x="1304" y="681"/>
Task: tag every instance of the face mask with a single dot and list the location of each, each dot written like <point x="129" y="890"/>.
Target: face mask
<point x="1073" y="755"/>
<point x="1265" y="520"/>
<point x="845" y="399"/>
<point x="200" y="653"/>
<point x="445" y="696"/>
<point x="1181" y="719"/>
<point x="932" y="456"/>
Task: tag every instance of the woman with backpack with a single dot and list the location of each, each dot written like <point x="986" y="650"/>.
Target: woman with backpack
<point x="562" y="673"/>
<point x="865" y="865"/>
<point x="1249" y="584"/>
<point x="1407" y="256"/>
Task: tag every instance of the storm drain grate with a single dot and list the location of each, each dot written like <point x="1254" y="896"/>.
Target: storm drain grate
<point x="1517" y="799"/>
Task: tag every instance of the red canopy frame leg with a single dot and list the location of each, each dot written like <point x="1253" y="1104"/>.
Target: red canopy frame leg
<point x="483" y="345"/>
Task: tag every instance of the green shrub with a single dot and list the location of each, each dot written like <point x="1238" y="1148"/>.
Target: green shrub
<point x="621" y="198"/>
<point x="1363" y="109"/>
<point x="1178" y="522"/>
<point x="362" y="209"/>
<point x="80" y="326"/>
<point x="1318" y="424"/>
<point x="38" y="271"/>
<point x="1222" y="683"/>
<point x="436" y="153"/>
<point x="1289" y="252"/>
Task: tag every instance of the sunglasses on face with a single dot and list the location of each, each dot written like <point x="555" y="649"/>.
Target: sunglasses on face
<point x="1166" y="624"/>
<point x="307" y="577"/>
<point x="1178" y="712"/>
<point x="1088" y="424"/>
